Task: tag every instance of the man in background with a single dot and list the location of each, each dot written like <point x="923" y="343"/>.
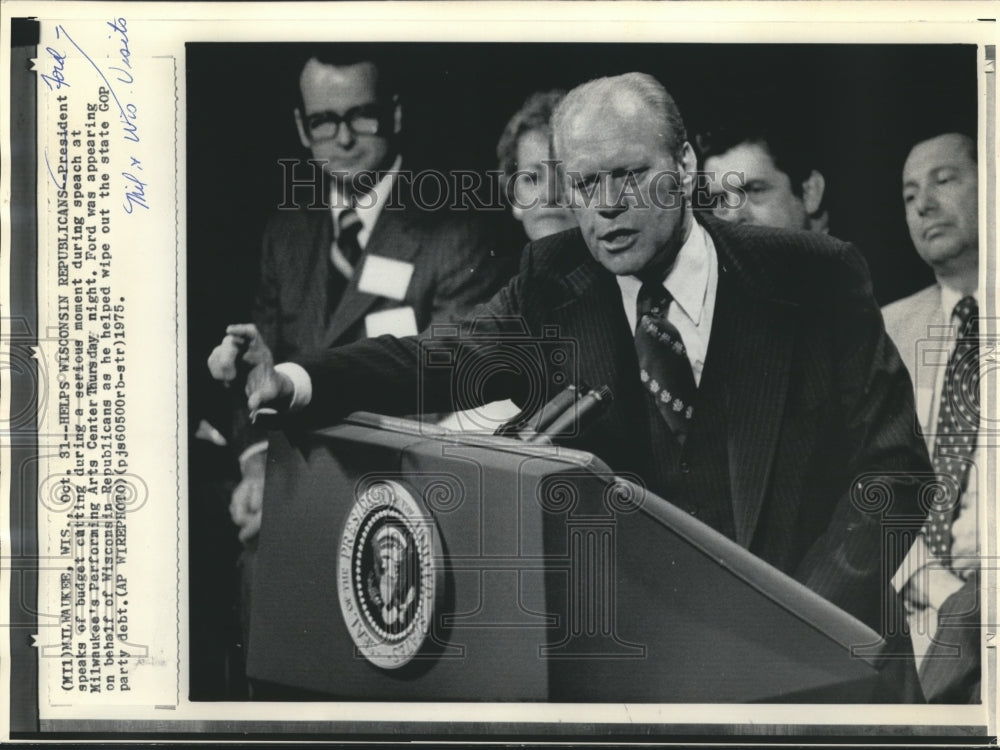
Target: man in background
<point x="364" y="260"/>
<point x="760" y="175"/>
<point x="937" y="333"/>
<point x="372" y="261"/>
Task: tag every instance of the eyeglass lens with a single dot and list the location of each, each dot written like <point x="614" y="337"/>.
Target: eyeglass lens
<point x="363" y="120"/>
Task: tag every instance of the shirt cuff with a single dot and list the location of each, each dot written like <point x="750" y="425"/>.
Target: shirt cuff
<point x="937" y="581"/>
<point x="250" y="452"/>
<point x="917" y="558"/>
<point x="941" y="583"/>
<point x="301" y="384"/>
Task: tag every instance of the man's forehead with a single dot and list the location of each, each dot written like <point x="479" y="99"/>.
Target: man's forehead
<point x="328" y="77"/>
<point x="745" y="155"/>
<point x="948" y="150"/>
<point x="614" y="111"/>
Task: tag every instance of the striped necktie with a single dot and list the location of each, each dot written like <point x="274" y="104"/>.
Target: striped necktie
<point x="348" y="229"/>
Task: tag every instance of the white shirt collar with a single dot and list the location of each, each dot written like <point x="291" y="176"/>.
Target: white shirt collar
<point x="949" y="298"/>
<point x="693" y="282"/>
<point x="688" y="278"/>
<point x="687" y="281"/>
<point x="370" y="205"/>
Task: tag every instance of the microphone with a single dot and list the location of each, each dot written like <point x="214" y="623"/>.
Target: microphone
<point x="551" y="410"/>
<point x="525" y="428"/>
<point x="587" y="409"/>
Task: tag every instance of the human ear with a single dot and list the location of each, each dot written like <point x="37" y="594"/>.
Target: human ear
<point x="812" y="192"/>
<point x="687" y="165"/>
<point x="397" y="116"/>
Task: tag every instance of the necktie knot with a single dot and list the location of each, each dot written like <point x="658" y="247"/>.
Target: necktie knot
<point x="348" y="229"/>
<point x="348" y="222"/>
<point x="653" y="299"/>
<point x="967" y="312"/>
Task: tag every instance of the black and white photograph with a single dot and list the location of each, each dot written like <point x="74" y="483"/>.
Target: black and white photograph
<point x="502" y="385"/>
<point x="523" y="197"/>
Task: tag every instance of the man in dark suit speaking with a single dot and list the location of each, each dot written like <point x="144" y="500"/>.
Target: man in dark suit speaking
<point x="754" y="385"/>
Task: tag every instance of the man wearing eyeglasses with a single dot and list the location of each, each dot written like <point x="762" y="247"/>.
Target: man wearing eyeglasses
<point x="372" y="262"/>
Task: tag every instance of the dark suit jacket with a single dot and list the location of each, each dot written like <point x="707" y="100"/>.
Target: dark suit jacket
<point x="819" y="409"/>
<point x="455" y="267"/>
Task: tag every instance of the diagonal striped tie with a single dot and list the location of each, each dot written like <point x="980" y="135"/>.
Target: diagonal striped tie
<point x="957" y="428"/>
<point x="348" y="228"/>
<point x="664" y="367"/>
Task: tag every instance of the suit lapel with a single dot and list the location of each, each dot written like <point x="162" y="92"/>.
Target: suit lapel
<point x="752" y="338"/>
<point x="756" y="335"/>
<point x="306" y="276"/>
<point x="762" y="340"/>
<point x="593" y="316"/>
<point x="391" y="237"/>
<point x="925" y="328"/>
<point x="924" y="321"/>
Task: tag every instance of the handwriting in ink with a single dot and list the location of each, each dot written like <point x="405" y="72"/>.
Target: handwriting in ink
<point x="59" y="185"/>
<point x="127" y="112"/>
<point x="57" y="77"/>
<point x="120" y="27"/>
<point x="135" y="188"/>
<point x="135" y="193"/>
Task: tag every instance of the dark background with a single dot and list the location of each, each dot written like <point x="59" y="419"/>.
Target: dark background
<point x="865" y="105"/>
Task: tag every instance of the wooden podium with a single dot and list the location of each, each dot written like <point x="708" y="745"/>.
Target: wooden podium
<point x="548" y="579"/>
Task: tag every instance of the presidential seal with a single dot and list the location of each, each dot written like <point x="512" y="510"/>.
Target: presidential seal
<point x="388" y="579"/>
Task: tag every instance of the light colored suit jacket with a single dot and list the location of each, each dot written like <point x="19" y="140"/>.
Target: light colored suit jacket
<point x="918" y="327"/>
<point x="915" y="324"/>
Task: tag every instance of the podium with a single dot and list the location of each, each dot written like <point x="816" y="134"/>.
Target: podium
<point x="400" y="561"/>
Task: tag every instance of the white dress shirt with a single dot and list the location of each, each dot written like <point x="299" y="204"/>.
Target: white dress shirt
<point x="368" y="207"/>
<point x="693" y="282"/>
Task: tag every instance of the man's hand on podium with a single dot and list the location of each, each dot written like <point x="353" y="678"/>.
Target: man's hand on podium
<point x="241" y="350"/>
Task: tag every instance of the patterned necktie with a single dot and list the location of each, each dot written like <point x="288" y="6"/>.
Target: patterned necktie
<point x="957" y="428"/>
<point x="663" y="362"/>
<point x="348" y="229"/>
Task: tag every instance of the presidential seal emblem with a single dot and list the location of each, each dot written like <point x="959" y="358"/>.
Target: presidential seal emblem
<point x="388" y="579"/>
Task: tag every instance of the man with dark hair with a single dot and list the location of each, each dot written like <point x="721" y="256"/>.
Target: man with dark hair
<point x="761" y="175"/>
<point x="937" y="332"/>
<point x="373" y="261"/>
<point x="754" y="385"/>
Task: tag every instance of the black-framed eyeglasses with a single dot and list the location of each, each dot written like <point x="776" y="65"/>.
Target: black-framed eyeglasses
<point x="365" y="119"/>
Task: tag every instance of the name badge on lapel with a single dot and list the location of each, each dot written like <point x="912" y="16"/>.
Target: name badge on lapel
<point x="400" y="321"/>
<point x="385" y="277"/>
